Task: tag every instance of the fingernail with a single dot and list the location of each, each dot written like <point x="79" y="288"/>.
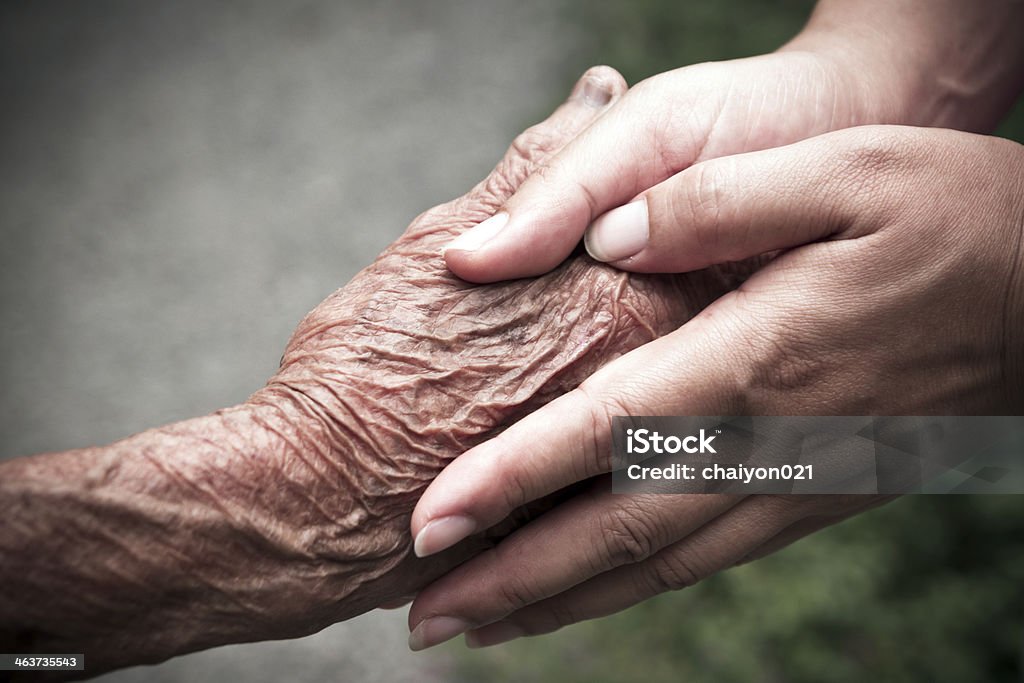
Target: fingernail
<point x="436" y="630"/>
<point x="596" y="93"/>
<point x="494" y="634"/>
<point x="620" y="233"/>
<point x="479" y="234"/>
<point x="442" y="533"/>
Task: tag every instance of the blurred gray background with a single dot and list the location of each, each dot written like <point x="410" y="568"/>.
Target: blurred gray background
<point x="181" y="182"/>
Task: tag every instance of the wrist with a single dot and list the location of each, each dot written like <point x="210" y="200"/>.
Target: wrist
<point x="875" y="85"/>
<point x="331" y="482"/>
<point x="210" y="531"/>
<point x="345" y="479"/>
<point x="931" y="63"/>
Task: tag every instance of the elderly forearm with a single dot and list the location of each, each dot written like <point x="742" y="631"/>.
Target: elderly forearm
<point x="199" y="533"/>
<point x="947" y="63"/>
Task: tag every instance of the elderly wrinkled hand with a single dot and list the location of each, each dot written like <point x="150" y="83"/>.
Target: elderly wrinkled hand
<point x="290" y="512"/>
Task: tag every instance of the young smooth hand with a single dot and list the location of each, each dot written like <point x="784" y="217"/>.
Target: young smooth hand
<point x="898" y="290"/>
<point x="919" y="62"/>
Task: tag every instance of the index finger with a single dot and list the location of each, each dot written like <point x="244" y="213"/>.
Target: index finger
<point x="530" y="459"/>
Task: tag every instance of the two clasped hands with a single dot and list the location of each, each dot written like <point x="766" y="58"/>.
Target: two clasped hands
<point x="890" y="234"/>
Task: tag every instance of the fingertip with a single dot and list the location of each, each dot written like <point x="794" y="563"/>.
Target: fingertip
<point x="442" y="533"/>
<point x="599" y="86"/>
<point x="446" y="512"/>
<point x="487" y="268"/>
<point x="523" y="249"/>
<point x="469" y="266"/>
<point x="436" y="630"/>
<point x="480" y="234"/>
<point x="619" y="234"/>
<point x="470" y="255"/>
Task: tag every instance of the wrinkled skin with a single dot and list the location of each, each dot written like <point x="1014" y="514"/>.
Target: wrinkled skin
<point x="408" y="366"/>
<point x="288" y="513"/>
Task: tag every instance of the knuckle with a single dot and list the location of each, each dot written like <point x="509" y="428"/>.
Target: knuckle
<point x="502" y="182"/>
<point x="629" y="537"/>
<point x="873" y="157"/>
<point x="782" y="360"/>
<point x="787" y="369"/>
<point x="509" y="472"/>
<point x="525" y="157"/>
<point x="672" y="572"/>
<point x="534" y="143"/>
<point x="560" y="613"/>
<point x="595" y="437"/>
<point x="514" y="487"/>
<point x="875" y="148"/>
<point x="514" y="594"/>
<point x="700" y="206"/>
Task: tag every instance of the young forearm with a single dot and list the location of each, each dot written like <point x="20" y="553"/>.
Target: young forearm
<point x="947" y="63"/>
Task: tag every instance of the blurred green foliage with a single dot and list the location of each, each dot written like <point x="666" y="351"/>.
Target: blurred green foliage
<point x="1013" y="125"/>
<point x="646" y="37"/>
<point x="928" y="588"/>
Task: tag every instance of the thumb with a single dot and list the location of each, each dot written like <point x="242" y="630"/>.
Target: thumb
<point x="732" y="208"/>
<point x="540" y="225"/>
